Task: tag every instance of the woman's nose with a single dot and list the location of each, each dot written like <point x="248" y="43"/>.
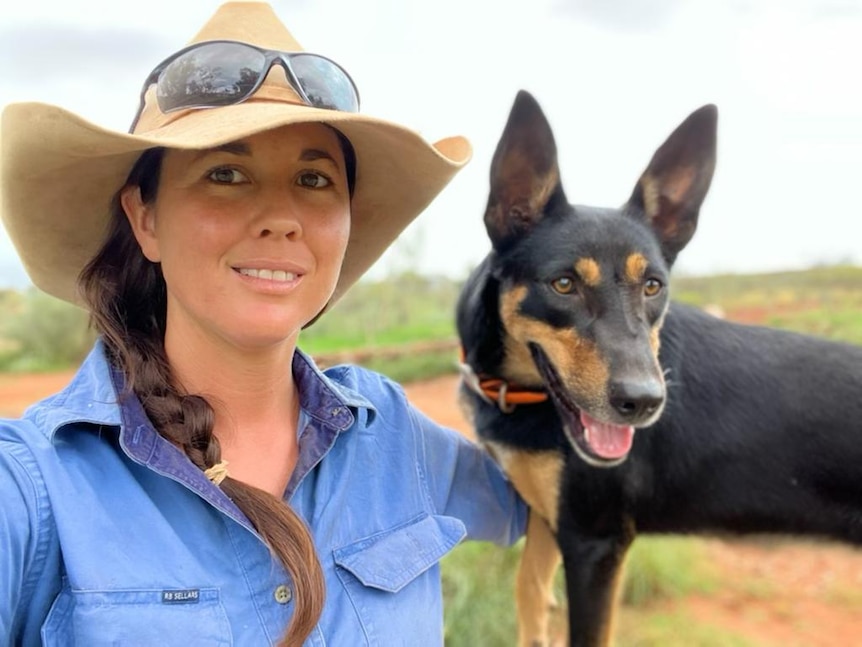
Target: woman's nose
<point x="278" y="220"/>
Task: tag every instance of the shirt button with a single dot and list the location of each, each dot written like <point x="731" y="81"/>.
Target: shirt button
<point x="283" y="594"/>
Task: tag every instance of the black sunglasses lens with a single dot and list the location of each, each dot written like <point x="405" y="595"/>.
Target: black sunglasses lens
<point x="218" y="74"/>
<point x="325" y="84"/>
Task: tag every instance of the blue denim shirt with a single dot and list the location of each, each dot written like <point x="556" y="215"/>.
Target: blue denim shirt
<point x="109" y="535"/>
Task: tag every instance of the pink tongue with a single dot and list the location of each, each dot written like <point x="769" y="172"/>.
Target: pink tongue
<point x="605" y="439"/>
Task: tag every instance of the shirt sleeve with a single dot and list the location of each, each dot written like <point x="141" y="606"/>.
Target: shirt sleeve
<point x="465" y="482"/>
<point x="23" y="544"/>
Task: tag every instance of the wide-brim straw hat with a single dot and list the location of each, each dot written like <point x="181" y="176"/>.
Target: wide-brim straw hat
<point x="58" y="172"/>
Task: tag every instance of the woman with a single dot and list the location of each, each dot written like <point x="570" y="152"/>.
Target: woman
<point x="200" y="481"/>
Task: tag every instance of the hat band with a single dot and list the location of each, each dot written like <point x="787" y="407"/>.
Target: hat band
<point x="225" y="72"/>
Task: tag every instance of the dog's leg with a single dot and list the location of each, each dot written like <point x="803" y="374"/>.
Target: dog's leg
<point x="534" y="593"/>
<point x="593" y="567"/>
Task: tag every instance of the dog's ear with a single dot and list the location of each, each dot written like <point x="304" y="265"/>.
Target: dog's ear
<point x="671" y="190"/>
<point x="524" y="173"/>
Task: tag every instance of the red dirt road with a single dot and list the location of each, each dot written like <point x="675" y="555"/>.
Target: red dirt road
<point x="795" y="594"/>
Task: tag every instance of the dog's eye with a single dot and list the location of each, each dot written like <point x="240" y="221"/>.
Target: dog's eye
<point x="652" y="287"/>
<point x="563" y="285"/>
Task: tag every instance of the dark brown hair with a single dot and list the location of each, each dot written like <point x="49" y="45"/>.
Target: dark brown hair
<point x="127" y="298"/>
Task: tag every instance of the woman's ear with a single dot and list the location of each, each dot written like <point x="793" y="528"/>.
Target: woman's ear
<point x="142" y="220"/>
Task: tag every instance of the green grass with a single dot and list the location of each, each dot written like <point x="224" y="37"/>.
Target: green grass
<point x="660" y="568"/>
<point x="478" y="588"/>
<point x="478" y="585"/>
<point x="668" y="629"/>
<point x="322" y="341"/>
<point x="839" y="322"/>
<point x="769" y="289"/>
<point x="404" y="309"/>
<point x="417" y="366"/>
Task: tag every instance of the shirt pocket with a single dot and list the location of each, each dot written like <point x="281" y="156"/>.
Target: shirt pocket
<point x="390" y="560"/>
<point x="137" y="617"/>
<point x="392" y="578"/>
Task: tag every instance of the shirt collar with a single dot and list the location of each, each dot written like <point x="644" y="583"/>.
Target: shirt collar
<point x="324" y="399"/>
<point x="89" y="398"/>
<point x="92" y="396"/>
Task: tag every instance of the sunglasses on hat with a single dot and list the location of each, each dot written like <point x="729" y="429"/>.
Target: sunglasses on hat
<point x="226" y="72"/>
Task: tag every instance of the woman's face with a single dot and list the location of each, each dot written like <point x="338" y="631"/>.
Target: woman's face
<point x="250" y="235"/>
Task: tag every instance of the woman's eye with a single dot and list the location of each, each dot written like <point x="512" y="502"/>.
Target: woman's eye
<point x="227" y="176"/>
<point x="313" y="180"/>
<point x="652" y="287"/>
<point x="563" y="285"/>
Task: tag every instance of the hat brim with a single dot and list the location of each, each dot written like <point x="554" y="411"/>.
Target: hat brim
<point x="59" y="173"/>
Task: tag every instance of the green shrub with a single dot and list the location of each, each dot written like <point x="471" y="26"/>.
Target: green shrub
<point x="402" y="309"/>
<point x="40" y="333"/>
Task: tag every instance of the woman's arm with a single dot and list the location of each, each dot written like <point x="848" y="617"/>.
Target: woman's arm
<point x="465" y="482"/>
<point x="25" y="544"/>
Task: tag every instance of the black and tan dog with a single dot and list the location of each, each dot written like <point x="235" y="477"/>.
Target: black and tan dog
<point x="570" y="344"/>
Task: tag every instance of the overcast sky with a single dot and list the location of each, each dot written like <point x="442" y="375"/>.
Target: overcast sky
<point x="613" y="76"/>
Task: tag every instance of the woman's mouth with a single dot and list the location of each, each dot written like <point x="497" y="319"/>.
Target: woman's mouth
<point x="600" y="444"/>
<point x="279" y="276"/>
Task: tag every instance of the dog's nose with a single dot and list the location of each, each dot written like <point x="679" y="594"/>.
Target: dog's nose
<point x="636" y="399"/>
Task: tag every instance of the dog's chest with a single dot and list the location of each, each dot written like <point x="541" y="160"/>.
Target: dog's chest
<point x="535" y="474"/>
